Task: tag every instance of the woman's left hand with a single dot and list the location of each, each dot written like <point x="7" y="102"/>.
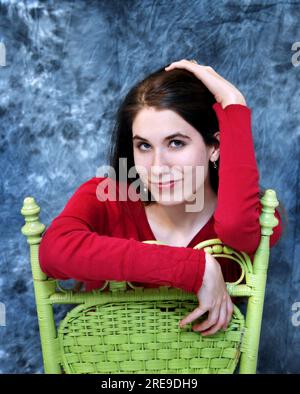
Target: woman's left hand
<point x="224" y="92"/>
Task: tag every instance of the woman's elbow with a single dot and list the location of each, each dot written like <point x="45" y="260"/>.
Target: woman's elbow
<point x="48" y="259"/>
<point x="245" y="236"/>
<point x="240" y="238"/>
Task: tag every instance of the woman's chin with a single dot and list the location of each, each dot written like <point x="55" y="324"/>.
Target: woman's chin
<point x="172" y="199"/>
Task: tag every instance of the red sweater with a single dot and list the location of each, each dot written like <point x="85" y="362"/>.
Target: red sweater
<point x="93" y="240"/>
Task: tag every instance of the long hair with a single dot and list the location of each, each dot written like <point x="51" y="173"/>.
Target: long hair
<point x="177" y="90"/>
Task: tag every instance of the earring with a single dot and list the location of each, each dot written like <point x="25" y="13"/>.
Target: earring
<point x="145" y="189"/>
<point x="215" y="164"/>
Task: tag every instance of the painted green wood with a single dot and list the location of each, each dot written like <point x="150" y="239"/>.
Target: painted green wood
<point x="255" y="304"/>
<point x="131" y="329"/>
<point x="43" y="287"/>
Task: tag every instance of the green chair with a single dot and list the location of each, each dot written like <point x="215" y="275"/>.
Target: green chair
<point x="131" y="329"/>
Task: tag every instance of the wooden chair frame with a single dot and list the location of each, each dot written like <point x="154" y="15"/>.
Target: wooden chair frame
<point x="66" y="351"/>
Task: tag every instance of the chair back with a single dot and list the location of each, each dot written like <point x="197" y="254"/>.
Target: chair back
<point x="131" y="329"/>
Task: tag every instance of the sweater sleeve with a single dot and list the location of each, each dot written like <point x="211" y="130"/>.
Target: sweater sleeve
<point x="71" y="248"/>
<point x="238" y="207"/>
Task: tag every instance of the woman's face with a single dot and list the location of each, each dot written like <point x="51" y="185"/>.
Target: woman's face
<point x="167" y="148"/>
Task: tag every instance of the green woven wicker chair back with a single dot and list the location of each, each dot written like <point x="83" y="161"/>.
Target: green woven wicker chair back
<point x="131" y="329"/>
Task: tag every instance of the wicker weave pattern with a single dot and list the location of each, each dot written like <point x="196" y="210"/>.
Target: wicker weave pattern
<point x="144" y="337"/>
<point x="136" y="330"/>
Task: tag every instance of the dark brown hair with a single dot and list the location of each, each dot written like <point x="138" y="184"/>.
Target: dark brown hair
<point x="177" y="90"/>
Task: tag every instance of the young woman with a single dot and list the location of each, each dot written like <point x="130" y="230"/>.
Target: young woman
<point x="182" y="116"/>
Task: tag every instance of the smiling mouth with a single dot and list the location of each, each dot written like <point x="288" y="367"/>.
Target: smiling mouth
<point x="162" y="185"/>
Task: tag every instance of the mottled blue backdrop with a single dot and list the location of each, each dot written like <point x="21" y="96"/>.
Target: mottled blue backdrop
<point x="69" y="63"/>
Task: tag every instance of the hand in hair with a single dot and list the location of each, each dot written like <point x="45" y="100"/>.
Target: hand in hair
<point x="224" y="92"/>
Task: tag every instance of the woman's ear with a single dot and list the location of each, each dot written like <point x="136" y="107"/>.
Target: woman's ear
<point x="215" y="151"/>
<point x="217" y="135"/>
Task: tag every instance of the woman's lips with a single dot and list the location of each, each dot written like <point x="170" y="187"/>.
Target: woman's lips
<point x="165" y="185"/>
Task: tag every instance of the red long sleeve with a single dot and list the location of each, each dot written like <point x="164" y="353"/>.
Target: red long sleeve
<point x="238" y="207"/>
<point x="92" y="240"/>
<point x="71" y="248"/>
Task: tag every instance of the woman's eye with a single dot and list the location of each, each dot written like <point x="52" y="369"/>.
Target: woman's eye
<point x="143" y="143"/>
<point x="181" y="143"/>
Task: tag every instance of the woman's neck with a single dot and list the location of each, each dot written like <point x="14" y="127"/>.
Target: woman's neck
<point x="176" y="217"/>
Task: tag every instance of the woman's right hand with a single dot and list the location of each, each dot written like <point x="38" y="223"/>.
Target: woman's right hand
<point x="214" y="298"/>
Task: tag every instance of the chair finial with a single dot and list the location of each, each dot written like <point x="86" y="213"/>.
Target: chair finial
<point x="33" y="227"/>
<point x="267" y="219"/>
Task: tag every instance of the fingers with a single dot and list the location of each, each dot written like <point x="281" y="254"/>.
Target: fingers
<point x="229" y="312"/>
<point x="219" y="318"/>
<point x="183" y="63"/>
<point x="190" y="64"/>
<point x="222" y="89"/>
<point x="210" y="80"/>
<point x="213" y="318"/>
<point x="192" y="316"/>
<point x="220" y="322"/>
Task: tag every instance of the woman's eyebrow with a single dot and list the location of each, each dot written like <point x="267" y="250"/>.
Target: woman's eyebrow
<point x="137" y="137"/>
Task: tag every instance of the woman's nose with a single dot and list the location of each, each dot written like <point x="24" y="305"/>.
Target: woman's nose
<point x="159" y="164"/>
<point x="159" y="158"/>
